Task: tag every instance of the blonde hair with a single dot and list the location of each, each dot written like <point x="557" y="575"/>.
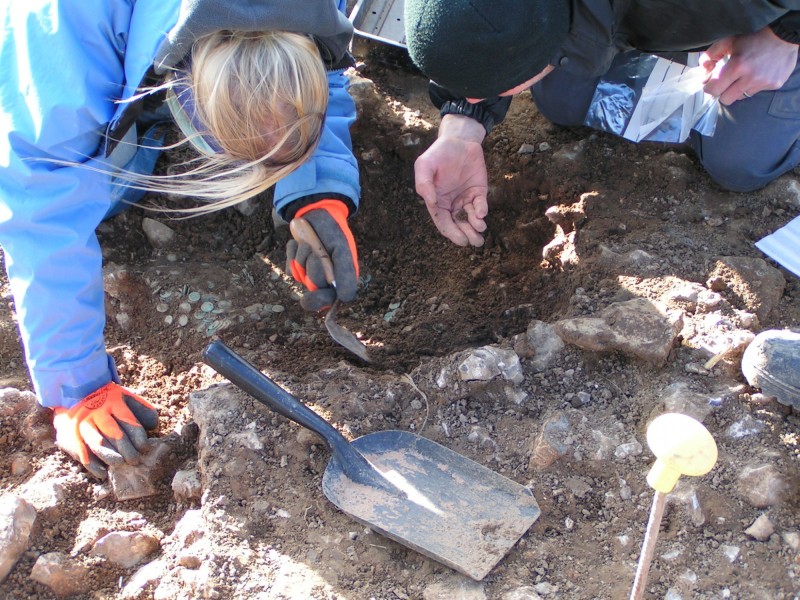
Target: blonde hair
<point x="262" y="97"/>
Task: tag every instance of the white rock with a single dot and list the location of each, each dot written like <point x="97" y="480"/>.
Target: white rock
<point x="125" y="548"/>
<point x="525" y="592"/>
<point x="761" y="528"/>
<point x="762" y="485"/>
<point x="17" y="516"/>
<point x="544" y="343"/>
<point x="144" y="576"/>
<point x="61" y="574"/>
<point x="792" y="539"/>
<point x="731" y="552"/>
<point x="456" y="586"/>
<point x="158" y="234"/>
<point x="186" y="486"/>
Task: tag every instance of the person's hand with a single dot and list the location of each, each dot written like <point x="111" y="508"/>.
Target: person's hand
<point x="108" y="427"/>
<point x="328" y="218"/>
<point x="757" y="62"/>
<point x="451" y="178"/>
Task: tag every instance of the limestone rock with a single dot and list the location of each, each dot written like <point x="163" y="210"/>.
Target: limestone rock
<point x="638" y="328"/>
<point x="17" y="516"/>
<point x="61" y="574"/>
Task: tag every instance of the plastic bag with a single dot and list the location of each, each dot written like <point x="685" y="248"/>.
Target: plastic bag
<point x="644" y="97"/>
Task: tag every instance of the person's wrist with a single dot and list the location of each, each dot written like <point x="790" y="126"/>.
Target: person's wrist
<point x="462" y="127"/>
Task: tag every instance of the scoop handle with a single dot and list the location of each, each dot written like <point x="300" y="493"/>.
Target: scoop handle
<point x="303" y="233"/>
<point x="245" y="376"/>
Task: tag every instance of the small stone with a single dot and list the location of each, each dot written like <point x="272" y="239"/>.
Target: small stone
<point x="17" y="516"/>
<point x="158" y="234"/>
<point x="20" y="464"/>
<point x="761" y="529"/>
<point x="730" y="552"/>
<point x="762" y="485"/>
<point x="792" y="539"/>
<point x="772" y="363"/>
<point x="125" y="548"/>
<point x="148" y="574"/>
<point x="186" y="486"/>
<point x="61" y="574"/>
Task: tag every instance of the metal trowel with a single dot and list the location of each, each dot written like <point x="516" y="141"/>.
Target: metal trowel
<point x="304" y="233"/>
<point x="404" y="486"/>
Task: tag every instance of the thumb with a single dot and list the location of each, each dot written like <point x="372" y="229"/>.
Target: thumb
<point x="716" y="52"/>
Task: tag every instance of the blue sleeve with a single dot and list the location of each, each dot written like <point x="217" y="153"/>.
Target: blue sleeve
<point x="60" y="68"/>
<point x="332" y="168"/>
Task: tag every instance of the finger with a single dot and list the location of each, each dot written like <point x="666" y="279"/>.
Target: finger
<point x="302" y="263"/>
<point x="732" y="94"/>
<point x="442" y="218"/>
<point x="318" y="300"/>
<point x="473" y="237"/>
<point x="144" y="412"/>
<point x="346" y="277"/>
<point x="315" y="272"/>
<point x="137" y="437"/>
<point x="475" y="218"/>
<point x="447" y="226"/>
<point x="107" y="440"/>
<point x="68" y="438"/>
<point x="80" y="453"/>
<point x="291" y="253"/>
<point x="717" y="51"/>
<point x="98" y="445"/>
<point x="96" y="468"/>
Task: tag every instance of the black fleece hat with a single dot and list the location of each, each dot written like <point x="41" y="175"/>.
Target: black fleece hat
<point x="482" y="48"/>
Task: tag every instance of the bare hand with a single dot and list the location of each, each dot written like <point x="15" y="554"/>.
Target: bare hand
<point x="757" y="62"/>
<point x="451" y="178"/>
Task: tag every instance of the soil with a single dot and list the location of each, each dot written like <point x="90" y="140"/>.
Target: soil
<point x="423" y="299"/>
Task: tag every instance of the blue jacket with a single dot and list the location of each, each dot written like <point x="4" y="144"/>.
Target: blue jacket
<point x="62" y="65"/>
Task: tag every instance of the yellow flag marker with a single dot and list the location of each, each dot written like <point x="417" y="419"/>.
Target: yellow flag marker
<point x="682" y="446"/>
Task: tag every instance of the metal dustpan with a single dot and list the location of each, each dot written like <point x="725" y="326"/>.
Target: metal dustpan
<point x="380" y="20"/>
<point x="404" y="486"/>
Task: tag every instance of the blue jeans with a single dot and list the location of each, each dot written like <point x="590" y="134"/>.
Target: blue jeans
<point x="756" y="139"/>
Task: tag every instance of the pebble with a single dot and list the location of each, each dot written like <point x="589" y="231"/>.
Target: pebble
<point x="761" y="528"/>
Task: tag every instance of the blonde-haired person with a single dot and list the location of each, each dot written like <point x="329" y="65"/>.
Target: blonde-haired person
<point x="256" y="86"/>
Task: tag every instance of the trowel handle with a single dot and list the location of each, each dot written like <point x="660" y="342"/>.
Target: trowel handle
<point x="245" y="376"/>
<point x="303" y="233"/>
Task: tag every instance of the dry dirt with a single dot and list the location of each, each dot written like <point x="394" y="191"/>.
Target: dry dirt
<point x="422" y="298"/>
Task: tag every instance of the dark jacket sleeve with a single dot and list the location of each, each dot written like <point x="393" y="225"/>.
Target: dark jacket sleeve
<point x="788" y="27"/>
<point x="488" y="112"/>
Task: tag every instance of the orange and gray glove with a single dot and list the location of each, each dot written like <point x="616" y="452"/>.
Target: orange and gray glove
<point x="328" y="218"/>
<point x="105" y="428"/>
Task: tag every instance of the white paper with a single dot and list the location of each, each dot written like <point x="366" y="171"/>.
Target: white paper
<point x="670" y="87"/>
<point x="783" y="246"/>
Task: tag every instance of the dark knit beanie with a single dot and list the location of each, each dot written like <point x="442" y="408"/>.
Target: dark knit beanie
<point x="482" y="48"/>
